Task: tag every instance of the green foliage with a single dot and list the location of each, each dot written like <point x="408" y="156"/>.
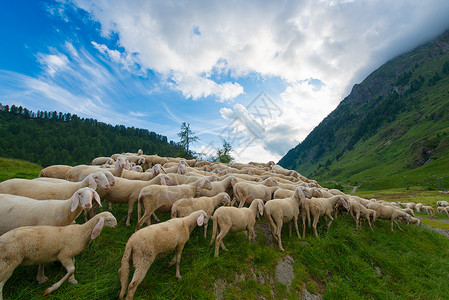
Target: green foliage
<point x="224" y="154"/>
<point x="187" y="137"/>
<point x="49" y="138"/>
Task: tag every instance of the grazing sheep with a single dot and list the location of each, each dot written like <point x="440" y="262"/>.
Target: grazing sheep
<point x="161" y="198"/>
<point x="320" y="207"/>
<point x="389" y="213"/>
<point x="429" y="210"/>
<point x="41" y="244"/>
<point x="45" y="190"/>
<point x="443" y="209"/>
<point x="356" y="210"/>
<point x="186" y="206"/>
<point x="152" y="242"/>
<point x="280" y="211"/>
<point x="418" y="207"/>
<point x="442" y="203"/>
<point x="408" y="211"/>
<point x="217" y="187"/>
<point x="233" y="219"/>
<point x="414" y="220"/>
<point x="55" y="171"/>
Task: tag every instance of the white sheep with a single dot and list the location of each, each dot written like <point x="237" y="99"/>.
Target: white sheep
<point x="233" y="219"/>
<point x="418" y="207"/>
<point x="245" y="192"/>
<point x="389" y="213"/>
<point x="443" y="209"/>
<point x="442" y="203"/>
<point x="185" y="206"/>
<point x="45" y="190"/>
<point x="41" y="244"/>
<point x="152" y="242"/>
<point x="356" y="209"/>
<point x="320" y="207"/>
<point x="80" y="172"/>
<point x="55" y="171"/>
<point x="429" y="210"/>
<point x="161" y="198"/>
<point x="98" y="161"/>
<point x="18" y="211"/>
<point x="280" y="211"/>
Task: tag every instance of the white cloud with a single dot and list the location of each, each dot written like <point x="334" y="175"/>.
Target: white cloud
<point x="318" y="48"/>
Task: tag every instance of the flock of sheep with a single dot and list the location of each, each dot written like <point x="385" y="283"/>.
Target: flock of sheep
<point x="37" y="217"/>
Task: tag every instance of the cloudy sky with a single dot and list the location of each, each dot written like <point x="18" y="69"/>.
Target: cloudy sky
<point x="260" y="74"/>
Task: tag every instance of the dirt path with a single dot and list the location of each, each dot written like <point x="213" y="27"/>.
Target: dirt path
<point x="444" y="232"/>
<point x="354" y="189"/>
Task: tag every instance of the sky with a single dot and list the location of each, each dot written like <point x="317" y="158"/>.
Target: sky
<point x="258" y="74"/>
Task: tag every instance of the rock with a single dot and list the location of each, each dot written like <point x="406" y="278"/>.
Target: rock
<point x="284" y="271"/>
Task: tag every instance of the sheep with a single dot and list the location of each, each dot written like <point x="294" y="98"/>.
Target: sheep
<point x="98" y="161"/>
<point x="45" y="190"/>
<point x="233" y="219"/>
<point x="443" y="209"/>
<point x="245" y="192"/>
<point x="151" y="160"/>
<point x="152" y="242"/>
<point x="161" y="198"/>
<point x="408" y="211"/>
<point x="442" y="203"/>
<point x="362" y="201"/>
<point x="17" y="211"/>
<point x="217" y="187"/>
<point x="414" y="220"/>
<point x="127" y="191"/>
<point x="184" y="207"/>
<point x="55" y="171"/>
<point x="418" y="207"/>
<point x="319" y="207"/>
<point x="136" y="159"/>
<point x="80" y="172"/>
<point x="356" y="209"/>
<point x="389" y="213"/>
<point x="280" y="211"/>
<point x="429" y="210"/>
<point x="40" y="244"/>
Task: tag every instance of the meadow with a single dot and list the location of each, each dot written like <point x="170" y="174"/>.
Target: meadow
<point x="342" y="263"/>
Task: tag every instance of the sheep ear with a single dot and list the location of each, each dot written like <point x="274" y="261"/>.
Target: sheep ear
<point x="97" y="229"/>
<point x="163" y="170"/>
<point x="75" y="201"/>
<point x="200" y="185"/>
<point x="260" y="207"/>
<point x="200" y="220"/>
<point x="97" y="198"/>
<point x="92" y="183"/>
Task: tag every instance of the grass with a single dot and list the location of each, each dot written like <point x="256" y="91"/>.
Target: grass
<point x="342" y="263"/>
<point x="14" y="168"/>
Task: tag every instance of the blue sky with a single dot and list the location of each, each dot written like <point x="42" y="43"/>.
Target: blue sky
<point x="156" y="64"/>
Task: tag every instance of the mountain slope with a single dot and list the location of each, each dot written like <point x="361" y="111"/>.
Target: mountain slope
<point x="394" y="122"/>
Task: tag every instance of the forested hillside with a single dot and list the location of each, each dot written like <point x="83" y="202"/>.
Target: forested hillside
<point x="395" y="122"/>
<point x="49" y="138"/>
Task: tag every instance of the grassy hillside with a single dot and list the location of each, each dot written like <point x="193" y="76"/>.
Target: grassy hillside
<point x="391" y="131"/>
<point x="14" y="168"/>
<point x="343" y="263"/>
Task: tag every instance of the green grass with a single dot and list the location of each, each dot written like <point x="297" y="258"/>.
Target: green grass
<point x="343" y="263"/>
<point x="14" y="168"/>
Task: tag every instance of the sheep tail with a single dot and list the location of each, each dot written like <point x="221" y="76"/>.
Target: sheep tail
<point x="124" y="270"/>
<point x="214" y="230"/>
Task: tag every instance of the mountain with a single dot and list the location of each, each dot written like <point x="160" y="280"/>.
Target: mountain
<point x="392" y="129"/>
<point x="49" y="138"/>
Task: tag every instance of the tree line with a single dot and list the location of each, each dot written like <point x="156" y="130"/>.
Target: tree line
<point x="49" y="138"/>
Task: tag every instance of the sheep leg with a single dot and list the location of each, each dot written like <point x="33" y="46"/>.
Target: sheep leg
<point x="145" y="218"/>
<point x="110" y="205"/>
<point x="130" y="210"/>
<point x="331" y="220"/>
<point x="205" y="229"/>
<point x="315" y="222"/>
<point x="41" y="278"/>
<point x="295" y="220"/>
<point x="72" y="277"/>
<point x="278" y="234"/>
<point x="290" y="229"/>
<point x="178" y="260"/>
<point x="272" y="226"/>
<point x="219" y="240"/>
<point x="141" y="269"/>
<point x="69" y="265"/>
<point x="303" y="226"/>
<point x="156" y="219"/>
<point x="397" y="224"/>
